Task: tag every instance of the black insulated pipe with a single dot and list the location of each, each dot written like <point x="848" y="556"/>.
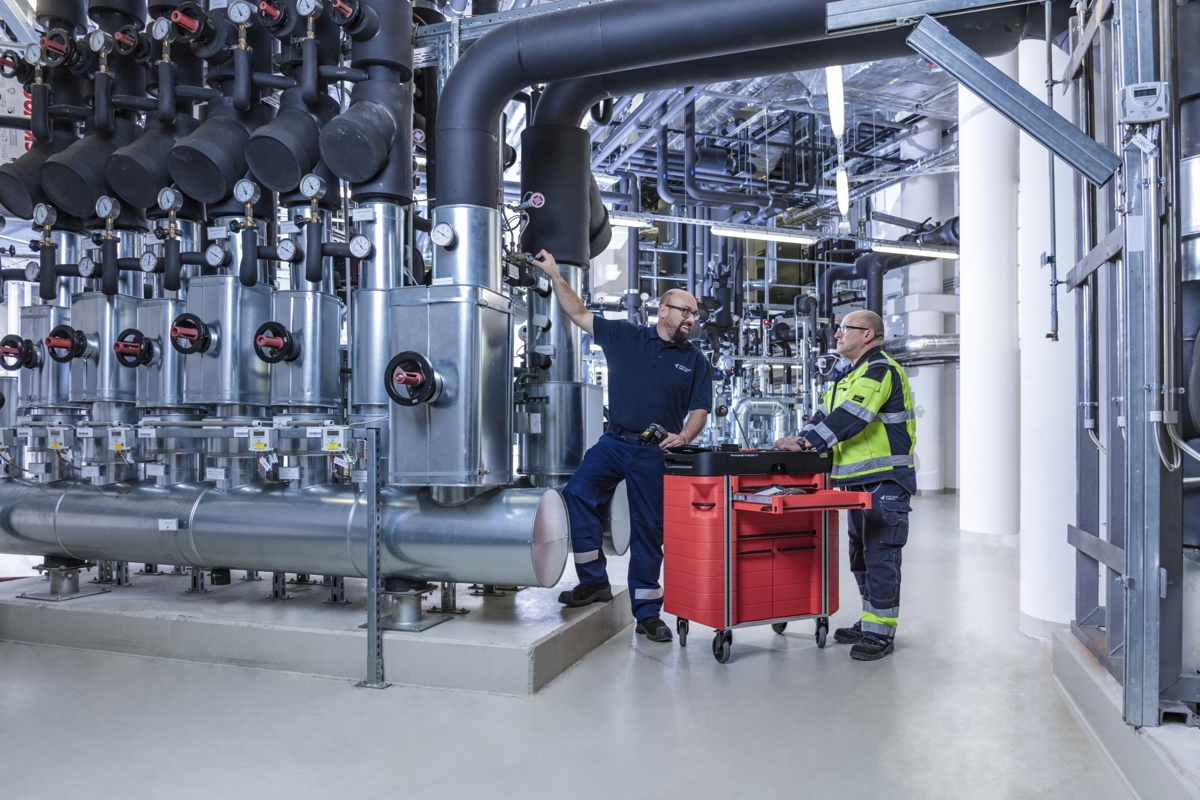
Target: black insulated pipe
<point x="313" y="271"/>
<point x="243" y="74"/>
<point x="110" y="267"/>
<point x="75" y="178"/>
<point x="248" y="268"/>
<point x="166" y="92"/>
<point x="172" y="266"/>
<point x="286" y="149"/>
<point x="664" y="192"/>
<point x="102" y="85"/>
<point x="138" y="171"/>
<point x="555" y="164"/>
<point x="48" y="275"/>
<point x="20" y="181"/>
<point x="731" y="200"/>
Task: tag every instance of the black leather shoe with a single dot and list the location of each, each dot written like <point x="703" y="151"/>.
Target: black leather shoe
<point x="851" y="635"/>
<point x="872" y="648"/>
<point x="655" y="629"/>
<point x="585" y="594"/>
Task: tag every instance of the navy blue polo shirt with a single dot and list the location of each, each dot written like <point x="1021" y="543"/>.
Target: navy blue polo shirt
<point x="651" y="380"/>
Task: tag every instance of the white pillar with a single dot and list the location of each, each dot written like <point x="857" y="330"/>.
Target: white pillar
<point x="1047" y="372"/>
<point x="990" y="396"/>
<point x="919" y="200"/>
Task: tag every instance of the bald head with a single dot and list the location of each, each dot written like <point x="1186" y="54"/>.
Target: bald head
<point x="860" y="331"/>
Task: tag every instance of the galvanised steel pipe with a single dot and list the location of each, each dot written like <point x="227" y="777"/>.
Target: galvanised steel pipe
<point x="506" y="536"/>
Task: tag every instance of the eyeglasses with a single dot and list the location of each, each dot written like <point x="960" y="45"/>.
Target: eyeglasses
<point x="686" y="312"/>
<point x="844" y="327"/>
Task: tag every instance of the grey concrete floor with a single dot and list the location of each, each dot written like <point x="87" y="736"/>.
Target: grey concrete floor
<point x="965" y="708"/>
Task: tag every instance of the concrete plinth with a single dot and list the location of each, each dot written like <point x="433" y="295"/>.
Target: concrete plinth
<point x="1162" y="763"/>
<point x="511" y="645"/>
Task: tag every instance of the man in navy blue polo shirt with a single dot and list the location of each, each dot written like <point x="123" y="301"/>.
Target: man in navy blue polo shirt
<point x="655" y="375"/>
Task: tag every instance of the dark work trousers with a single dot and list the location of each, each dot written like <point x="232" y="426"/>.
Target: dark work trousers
<point x="877" y="537"/>
<point x="604" y="466"/>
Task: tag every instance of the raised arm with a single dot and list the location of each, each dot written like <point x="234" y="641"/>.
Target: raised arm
<point x="571" y="305"/>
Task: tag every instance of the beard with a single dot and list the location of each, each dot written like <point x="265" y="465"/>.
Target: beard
<point x="680" y="334"/>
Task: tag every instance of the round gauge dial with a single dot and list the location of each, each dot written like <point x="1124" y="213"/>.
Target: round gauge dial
<point x="443" y="235"/>
<point x="148" y="262"/>
<point x="286" y="249"/>
<point x="214" y="255"/>
<point x="241" y="13"/>
<point x="308" y="8"/>
<point x="247" y="192"/>
<point x="100" y="42"/>
<point x="33" y="54"/>
<point x="44" y="214"/>
<point x="87" y="267"/>
<point x="107" y="207"/>
<point x="33" y="270"/>
<point x="170" y="199"/>
<point x="312" y="186"/>
<point x="360" y="246"/>
<point x="160" y="29"/>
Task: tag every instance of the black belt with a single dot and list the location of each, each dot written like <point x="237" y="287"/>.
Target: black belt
<point x="623" y="432"/>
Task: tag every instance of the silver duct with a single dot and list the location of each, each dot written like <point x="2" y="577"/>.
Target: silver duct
<point x="929" y="348"/>
<point x="516" y="536"/>
<point x="761" y="421"/>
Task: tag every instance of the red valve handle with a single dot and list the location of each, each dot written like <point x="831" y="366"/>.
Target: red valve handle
<point x="5" y="62"/>
<point x="52" y="44"/>
<point x="60" y="344"/>
<point x="274" y="342"/>
<point x="343" y="8"/>
<point x="10" y="351"/>
<point x="127" y="348"/>
<point x="268" y="9"/>
<point x="184" y="21"/>
<point x="184" y="333"/>
<point x="125" y="39"/>
<point x="413" y="379"/>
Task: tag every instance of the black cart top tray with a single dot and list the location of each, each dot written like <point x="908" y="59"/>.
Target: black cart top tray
<point x="755" y="462"/>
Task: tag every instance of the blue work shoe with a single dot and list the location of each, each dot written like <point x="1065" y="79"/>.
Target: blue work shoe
<point x="585" y="594"/>
<point x="851" y="635"/>
<point x="654" y="629"/>
<point x="872" y="647"/>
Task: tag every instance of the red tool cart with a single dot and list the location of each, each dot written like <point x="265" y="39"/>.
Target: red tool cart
<point x="750" y="538"/>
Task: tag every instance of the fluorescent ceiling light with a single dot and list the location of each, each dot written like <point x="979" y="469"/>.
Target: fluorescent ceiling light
<point x="628" y="220"/>
<point x="843" y="191"/>
<point x="905" y="249"/>
<point x="837" y="102"/>
<point x="766" y="234"/>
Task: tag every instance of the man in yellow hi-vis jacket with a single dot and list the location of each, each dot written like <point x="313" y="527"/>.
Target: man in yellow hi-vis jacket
<point x="868" y="423"/>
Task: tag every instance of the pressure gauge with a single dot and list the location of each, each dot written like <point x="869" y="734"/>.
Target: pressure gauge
<point x="286" y="249"/>
<point x="214" y="255"/>
<point x="308" y="8"/>
<point x="33" y="54"/>
<point x="247" y="192"/>
<point x="100" y="42"/>
<point x="360" y="246"/>
<point x="312" y="186"/>
<point x="87" y="267"/>
<point x="241" y="13"/>
<point x="160" y="29"/>
<point x="443" y="235"/>
<point x="33" y="270"/>
<point x="170" y="199"/>
<point x="148" y="262"/>
<point x="44" y="215"/>
<point x="107" y="208"/>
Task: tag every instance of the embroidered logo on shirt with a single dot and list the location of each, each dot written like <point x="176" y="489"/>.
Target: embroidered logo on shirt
<point x="682" y="367"/>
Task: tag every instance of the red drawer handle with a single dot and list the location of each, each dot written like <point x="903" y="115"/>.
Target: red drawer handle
<point x="794" y="549"/>
<point x="754" y="552"/>
<point x="704" y="505"/>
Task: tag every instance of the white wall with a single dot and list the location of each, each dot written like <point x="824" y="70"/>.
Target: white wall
<point x="1047" y="374"/>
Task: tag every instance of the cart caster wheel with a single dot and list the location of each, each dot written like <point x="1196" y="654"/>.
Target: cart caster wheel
<point x="779" y="627"/>
<point x="722" y="645"/>
<point x="681" y="627"/>
<point x="822" y="631"/>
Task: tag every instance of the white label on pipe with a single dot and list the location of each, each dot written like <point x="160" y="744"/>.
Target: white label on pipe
<point x="288" y="227"/>
<point x="442" y="281"/>
<point x="359" y="476"/>
<point x="38" y="468"/>
<point x="289" y="473"/>
<point x="363" y="215"/>
<point x="147" y="433"/>
<point x="1135" y="233"/>
<point x="91" y="472"/>
<point x="214" y="473"/>
<point x="85" y="433"/>
<point x="218" y="232"/>
<point x="241" y="433"/>
<point x="156" y="470"/>
<point x="168" y="524"/>
<point x="313" y="433"/>
<point x="27" y="433"/>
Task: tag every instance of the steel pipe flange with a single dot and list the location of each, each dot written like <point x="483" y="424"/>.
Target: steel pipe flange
<point x="133" y="349"/>
<point x="274" y="343"/>
<point x="413" y="372"/>
<point x="190" y="335"/>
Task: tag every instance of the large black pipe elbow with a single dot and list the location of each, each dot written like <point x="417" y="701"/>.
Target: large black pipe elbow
<point x="355" y="145"/>
<point x="138" y="172"/>
<point x="20" y="180"/>
<point x="599" y="228"/>
<point x="286" y="149"/>
<point x="75" y="178"/>
<point x="209" y="161"/>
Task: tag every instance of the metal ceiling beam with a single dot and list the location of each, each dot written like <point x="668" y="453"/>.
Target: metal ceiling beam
<point x="843" y="15"/>
<point x="16" y="15"/>
<point x="1092" y="160"/>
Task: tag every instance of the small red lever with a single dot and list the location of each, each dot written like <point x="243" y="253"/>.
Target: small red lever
<point x="341" y="7"/>
<point x="414" y="379"/>
<point x="184" y="21"/>
<point x="184" y="333"/>
<point x="51" y="44"/>
<point x="270" y="341"/>
<point x="268" y="9"/>
<point x="125" y="39"/>
<point x="9" y="351"/>
<point x="62" y="344"/>
<point x="127" y="348"/>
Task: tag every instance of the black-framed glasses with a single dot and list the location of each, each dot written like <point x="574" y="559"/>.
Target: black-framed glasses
<point x="844" y="327"/>
<point x="687" y="312"/>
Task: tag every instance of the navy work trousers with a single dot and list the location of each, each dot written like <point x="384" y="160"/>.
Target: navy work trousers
<point x="608" y="462"/>
<point x="876" y="538"/>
